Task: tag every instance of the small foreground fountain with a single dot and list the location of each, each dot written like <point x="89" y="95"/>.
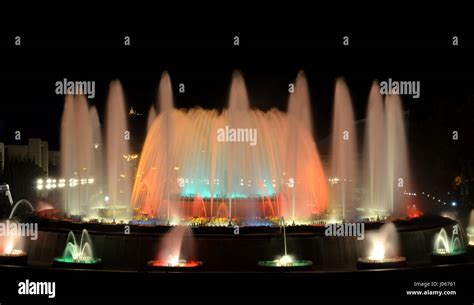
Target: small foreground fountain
<point x="171" y="256"/>
<point x="78" y="255"/>
<point x="285" y="262"/>
<point x="449" y="250"/>
<point x="383" y="250"/>
<point x="10" y="250"/>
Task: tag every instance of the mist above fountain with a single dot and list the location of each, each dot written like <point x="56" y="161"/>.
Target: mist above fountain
<point x="343" y="152"/>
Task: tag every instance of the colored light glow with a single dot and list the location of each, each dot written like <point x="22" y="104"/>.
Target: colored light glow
<point x="285" y="260"/>
<point x="444" y="245"/>
<point x="179" y="263"/>
<point x="82" y="260"/>
<point x="277" y="263"/>
<point x="377" y="252"/>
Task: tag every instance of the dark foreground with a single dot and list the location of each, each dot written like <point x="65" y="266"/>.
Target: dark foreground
<point x="452" y="281"/>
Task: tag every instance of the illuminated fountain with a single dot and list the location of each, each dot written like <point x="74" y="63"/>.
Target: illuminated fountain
<point x="383" y="249"/>
<point x="385" y="167"/>
<point x="375" y="203"/>
<point x="343" y="152"/>
<point x="285" y="262"/>
<point x="77" y="155"/>
<point x="118" y="172"/>
<point x="17" y="205"/>
<point x="188" y="173"/>
<point x="185" y="171"/>
<point x="78" y="255"/>
<point x="87" y="191"/>
<point x="11" y="252"/>
<point x="171" y="254"/>
<point x="449" y="250"/>
<point x="398" y="175"/>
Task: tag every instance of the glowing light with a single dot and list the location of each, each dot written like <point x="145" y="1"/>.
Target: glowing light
<point x="9" y="246"/>
<point x="377" y="252"/>
<point x="285" y="260"/>
<point x="453" y="203"/>
<point x="444" y="245"/>
<point x="173" y="261"/>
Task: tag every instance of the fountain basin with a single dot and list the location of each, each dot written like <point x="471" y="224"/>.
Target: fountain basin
<point x="276" y="265"/>
<point x="81" y="263"/>
<point x="444" y="258"/>
<point x="182" y="265"/>
<point x="366" y="263"/>
<point x="16" y="257"/>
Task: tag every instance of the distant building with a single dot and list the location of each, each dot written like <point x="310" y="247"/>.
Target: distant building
<point x="36" y="151"/>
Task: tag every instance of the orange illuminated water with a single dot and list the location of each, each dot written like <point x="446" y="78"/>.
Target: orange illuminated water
<point x="183" y="163"/>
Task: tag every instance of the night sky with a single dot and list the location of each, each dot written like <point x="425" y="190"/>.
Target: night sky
<point x="204" y="63"/>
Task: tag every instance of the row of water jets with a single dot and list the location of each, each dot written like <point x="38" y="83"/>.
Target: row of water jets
<point x="283" y="173"/>
<point x="382" y="245"/>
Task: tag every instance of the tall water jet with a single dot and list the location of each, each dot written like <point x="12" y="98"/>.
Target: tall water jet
<point x="118" y="171"/>
<point x="375" y="199"/>
<point x="151" y="117"/>
<point x="237" y="118"/>
<point x="398" y="178"/>
<point x="97" y="162"/>
<point x="343" y="151"/>
<point x="303" y="164"/>
<point x="165" y="100"/>
<point x="77" y="154"/>
<point x="155" y="178"/>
